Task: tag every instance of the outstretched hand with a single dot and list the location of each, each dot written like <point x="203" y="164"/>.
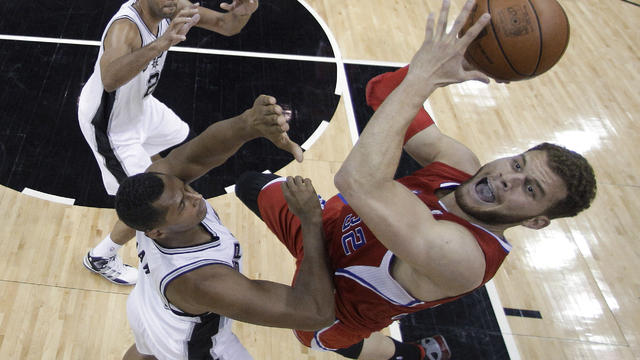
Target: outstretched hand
<point x="180" y="25"/>
<point x="270" y="121"/>
<point x="302" y="199"/>
<point x="241" y="7"/>
<point x="440" y="59"/>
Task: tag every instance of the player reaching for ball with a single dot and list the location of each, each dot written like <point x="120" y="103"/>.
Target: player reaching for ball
<point x="397" y="247"/>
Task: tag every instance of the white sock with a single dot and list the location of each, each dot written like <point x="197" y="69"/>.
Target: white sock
<point x="106" y="248"/>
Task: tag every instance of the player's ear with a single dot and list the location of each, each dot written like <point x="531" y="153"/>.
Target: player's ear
<point x="537" y="222"/>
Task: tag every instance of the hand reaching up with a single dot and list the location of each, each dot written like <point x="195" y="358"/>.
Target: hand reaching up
<point x="269" y="120"/>
<point x="440" y="59"/>
<point x="180" y="26"/>
<point x="240" y="7"/>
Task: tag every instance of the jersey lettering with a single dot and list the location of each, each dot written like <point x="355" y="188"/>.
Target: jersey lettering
<point x="145" y="266"/>
<point x="349" y="221"/>
<point x="236" y="256"/>
<point x="152" y="83"/>
<point x="353" y="240"/>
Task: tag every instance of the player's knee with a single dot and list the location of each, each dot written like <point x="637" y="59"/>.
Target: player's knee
<point x="352" y="352"/>
<point x="248" y="188"/>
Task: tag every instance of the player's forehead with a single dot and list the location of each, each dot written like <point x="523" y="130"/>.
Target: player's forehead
<point x="172" y="192"/>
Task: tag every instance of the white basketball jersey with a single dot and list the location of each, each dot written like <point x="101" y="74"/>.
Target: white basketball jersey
<point x="126" y="102"/>
<point x="158" y="267"/>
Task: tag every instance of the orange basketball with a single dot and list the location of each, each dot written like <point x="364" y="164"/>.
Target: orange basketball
<point x="524" y="39"/>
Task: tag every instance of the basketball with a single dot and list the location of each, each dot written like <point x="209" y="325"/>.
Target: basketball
<point x="524" y="39"/>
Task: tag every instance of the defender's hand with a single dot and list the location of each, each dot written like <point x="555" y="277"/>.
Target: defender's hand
<point x="180" y="25"/>
<point x="241" y="7"/>
<point x="439" y="61"/>
<point x="268" y="119"/>
<point x="302" y="199"/>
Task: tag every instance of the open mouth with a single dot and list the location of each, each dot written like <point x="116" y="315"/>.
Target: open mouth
<point x="485" y="191"/>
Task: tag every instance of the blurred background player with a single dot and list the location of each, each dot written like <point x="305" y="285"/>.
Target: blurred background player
<point x="125" y="126"/>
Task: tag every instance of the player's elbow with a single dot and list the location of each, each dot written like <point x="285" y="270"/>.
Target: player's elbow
<point x="109" y="86"/>
<point x="322" y="318"/>
<point x="346" y="180"/>
<point x="350" y="184"/>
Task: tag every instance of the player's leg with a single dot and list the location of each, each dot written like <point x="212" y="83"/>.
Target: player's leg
<point x="105" y="261"/>
<point x="262" y="193"/>
<point x="118" y="156"/>
<point x="133" y="354"/>
<point x="381" y="347"/>
<point x="162" y="128"/>
<point x="248" y="188"/>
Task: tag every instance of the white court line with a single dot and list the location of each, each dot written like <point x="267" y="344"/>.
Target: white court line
<point x="394" y="330"/>
<point x="316" y="134"/>
<point x="375" y="63"/>
<point x="49" y="40"/>
<point x="49" y="197"/>
<point x="501" y="318"/>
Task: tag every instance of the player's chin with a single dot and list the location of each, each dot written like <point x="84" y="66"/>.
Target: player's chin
<point x="169" y="12"/>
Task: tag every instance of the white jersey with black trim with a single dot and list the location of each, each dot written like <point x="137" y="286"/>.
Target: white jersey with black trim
<point x="128" y="99"/>
<point x="158" y="267"/>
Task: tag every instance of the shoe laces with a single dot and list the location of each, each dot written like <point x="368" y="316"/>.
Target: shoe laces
<point x="114" y="266"/>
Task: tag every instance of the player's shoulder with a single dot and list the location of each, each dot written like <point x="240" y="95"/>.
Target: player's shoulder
<point x="126" y="30"/>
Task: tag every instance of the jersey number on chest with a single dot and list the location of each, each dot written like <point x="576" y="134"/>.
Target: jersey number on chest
<point x="352" y="235"/>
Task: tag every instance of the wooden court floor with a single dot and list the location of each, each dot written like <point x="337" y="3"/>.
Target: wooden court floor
<point x="580" y="273"/>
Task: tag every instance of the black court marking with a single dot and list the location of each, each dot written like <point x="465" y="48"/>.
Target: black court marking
<point x="631" y="2"/>
<point x="468" y="324"/>
<point x="42" y="146"/>
<point x="535" y="314"/>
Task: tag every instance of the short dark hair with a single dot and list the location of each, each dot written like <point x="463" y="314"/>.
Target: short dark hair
<point x="578" y="176"/>
<point x="134" y="201"/>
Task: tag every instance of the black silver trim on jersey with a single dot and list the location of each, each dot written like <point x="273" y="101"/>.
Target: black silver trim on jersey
<point x="100" y="124"/>
<point x="213" y="243"/>
<point x="145" y="24"/>
<point x="201" y="339"/>
<point x="168" y="278"/>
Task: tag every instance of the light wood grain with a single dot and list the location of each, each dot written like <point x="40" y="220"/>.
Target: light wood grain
<point x="581" y="273"/>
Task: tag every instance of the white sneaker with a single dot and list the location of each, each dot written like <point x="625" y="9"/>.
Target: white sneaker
<point x="435" y="348"/>
<point x="112" y="269"/>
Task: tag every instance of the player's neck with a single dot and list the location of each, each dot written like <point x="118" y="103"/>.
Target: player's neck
<point x="192" y="237"/>
<point x="452" y="207"/>
<point x="142" y="7"/>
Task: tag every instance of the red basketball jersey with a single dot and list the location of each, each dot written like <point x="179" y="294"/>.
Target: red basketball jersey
<point x="367" y="297"/>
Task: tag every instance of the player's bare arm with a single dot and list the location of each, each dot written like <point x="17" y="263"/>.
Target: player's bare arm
<point x="430" y="145"/>
<point x="124" y="57"/>
<point x="222" y="139"/>
<point x="237" y="14"/>
<point x="308" y="304"/>
<point x="443" y="251"/>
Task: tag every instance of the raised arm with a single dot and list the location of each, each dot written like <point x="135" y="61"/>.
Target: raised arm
<point x="124" y="56"/>
<point x="395" y="215"/>
<point x="229" y="23"/>
<point x="423" y="140"/>
<point x="222" y="139"/>
<point x="306" y="305"/>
